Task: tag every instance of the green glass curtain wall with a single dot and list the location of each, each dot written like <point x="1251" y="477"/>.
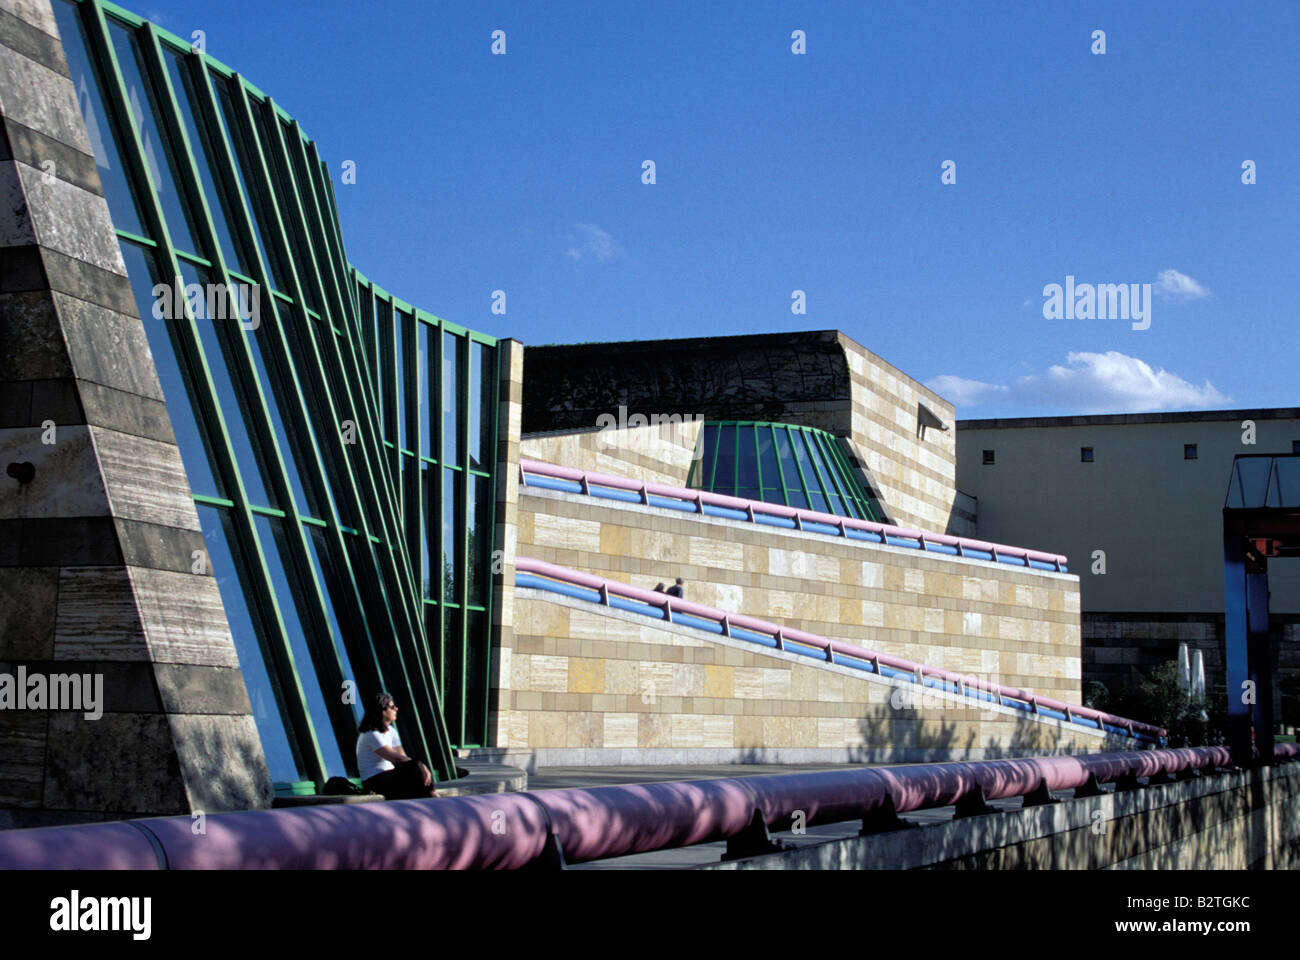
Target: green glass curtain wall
<point x="340" y="443"/>
<point x="780" y="463"/>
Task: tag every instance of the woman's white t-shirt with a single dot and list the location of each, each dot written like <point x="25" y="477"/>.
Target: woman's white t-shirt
<point x="370" y="763"/>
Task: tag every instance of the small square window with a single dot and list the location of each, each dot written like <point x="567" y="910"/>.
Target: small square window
<point x="1295" y="446"/>
<point x="1085" y="454"/>
<point x="1189" y="451"/>
<point x="988" y="457"/>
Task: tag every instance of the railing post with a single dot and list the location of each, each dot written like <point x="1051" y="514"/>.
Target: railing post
<point x="699" y="503"/>
<point x="726" y="626"/>
<point x="604" y="594"/>
<point x="645" y="495"/>
<point x="798" y="522"/>
<point x="668" y="611"/>
<point x="830" y="653"/>
<point x="780" y="641"/>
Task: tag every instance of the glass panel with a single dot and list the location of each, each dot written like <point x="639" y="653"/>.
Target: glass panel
<point x="747" y="461"/>
<point x="451" y="514"/>
<point x="332" y="587"/>
<point x="231" y="401"/>
<point x="429" y="510"/>
<point x="794" y="485"/>
<point x="476" y="677"/>
<point x="205" y="159"/>
<point x="482" y="391"/>
<point x="708" y="460"/>
<point x="103" y="139"/>
<point x="724" y="475"/>
<point x="815" y="496"/>
<point x="263" y="694"/>
<point x="248" y="168"/>
<point x="180" y="405"/>
<point x="478" y="511"/>
<point x="368" y="331"/>
<point x="422" y="381"/>
<point x="287" y="593"/>
<point x="454" y="657"/>
<point x="295" y="448"/>
<point x="402" y="337"/>
<point x="828" y="478"/>
<point x="451" y="364"/>
<point x="163" y="174"/>
<point x="384" y="323"/>
<point x="771" y="472"/>
<point x="282" y="182"/>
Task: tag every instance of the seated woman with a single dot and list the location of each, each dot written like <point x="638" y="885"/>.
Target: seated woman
<point x="383" y="764"/>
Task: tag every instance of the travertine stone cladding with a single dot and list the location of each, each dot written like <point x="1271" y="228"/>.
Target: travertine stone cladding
<point x="584" y="684"/>
<point x="999" y="621"/>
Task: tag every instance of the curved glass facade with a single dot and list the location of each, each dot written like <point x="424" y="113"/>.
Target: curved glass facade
<point x="340" y="443"/>
<point x="780" y="463"/>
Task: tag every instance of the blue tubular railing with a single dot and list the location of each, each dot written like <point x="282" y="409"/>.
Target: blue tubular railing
<point x="533" y="473"/>
<point x="558" y="826"/>
<point x="622" y="596"/>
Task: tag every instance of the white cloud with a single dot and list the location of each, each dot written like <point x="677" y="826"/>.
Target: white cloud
<point x="1180" y="286"/>
<point x="966" y="393"/>
<point x="1089" y="383"/>
<point x="590" y="240"/>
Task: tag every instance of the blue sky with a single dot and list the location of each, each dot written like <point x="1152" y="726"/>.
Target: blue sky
<point x="821" y="172"/>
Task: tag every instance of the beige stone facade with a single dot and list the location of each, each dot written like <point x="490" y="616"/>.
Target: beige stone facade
<point x="584" y="684"/>
<point x="658" y="454"/>
<point x="575" y="678"/>
<point x="915" y="469"/>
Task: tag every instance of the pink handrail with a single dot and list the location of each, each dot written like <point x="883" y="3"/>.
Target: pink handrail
<point x="587" y="478"/>
<point x="606" y="587"/>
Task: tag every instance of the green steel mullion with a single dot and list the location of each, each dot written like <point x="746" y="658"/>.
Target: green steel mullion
<point x="262" y="178"/>
<point x="758" y="461"/>
<point x="326" y="661"/>
<point x="210" y="412"/>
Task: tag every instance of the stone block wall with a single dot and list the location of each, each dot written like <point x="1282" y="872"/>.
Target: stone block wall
<point x="587" y="685"/>
<point x="915" y="468"/>
<point x="98" y="530"/>
<point x="660" y="454"/>
<point x="1018" y="626"/>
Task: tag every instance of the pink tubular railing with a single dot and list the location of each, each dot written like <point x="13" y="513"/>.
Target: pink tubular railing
<point x="558" y="826"/>
<point x="587" y="479"/>
<point x="607" y="588"/>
